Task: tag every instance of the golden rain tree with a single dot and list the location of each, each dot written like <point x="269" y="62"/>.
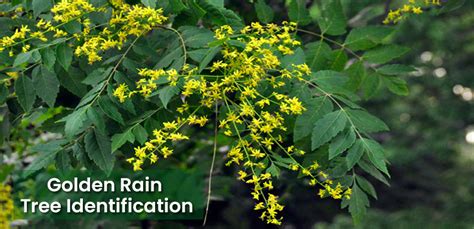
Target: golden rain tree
<point x="113" y="84"/>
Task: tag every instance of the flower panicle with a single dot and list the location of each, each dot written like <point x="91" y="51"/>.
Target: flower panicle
<point x="254" y="118"/>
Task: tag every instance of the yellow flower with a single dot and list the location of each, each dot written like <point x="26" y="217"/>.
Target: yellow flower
<point x="121" y="92"/>
<point x="268" y="185"/>
<point x="170" y="125"/>
<point x="223" y="32"/>
<point x="259" y="206"/>
<point x="140" y="152"/>
<point x="242" y="175"/>
<point x="263" y="102"/>
<point x="137" y="165"/>
<point x="201" y="121"/>
<point x="153" y="158"/>
<point x="177" y="137"/>
<point x="256" y="153"/>
<point x="294" y="167"/>
<point x="406" y="8"/>
<point x="417" y="10"/>
<point x="166" y="152"/>
<point x="322" y="193"/>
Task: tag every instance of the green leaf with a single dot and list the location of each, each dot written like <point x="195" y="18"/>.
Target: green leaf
<point x="327" y="128"/>
<point x="74" y="122"/>
<point x="264" y="12"/>
<point x="273" y="170"/>
<point x="48" y="58"/>
<point x="63" y="161"/>
<point x="80" y="154"/>
<point x="64" y="55"/>
<point x="371" y="85"/>
<point x="72" y="81"/>
<point x="384" y="54"/>
<point x="354" y="154"/>
<point x="356" y="73"/>
<point x="96" y="118"/>
<point x="366" y="186"/>
<point x="195" y="37"/>
<point x="342" y="142"/>
<point x="25" y="92"/>
<point x="173" y="57"/>
<point x="140" y="134"/>
<point x="119" y="139"/>
<point x="296" y="58"/>
<point x="110" y="109"/>
<point x="149" y="3"/>
<point x="46" y="154"/>
<point x="367" y="37"/>
<point x="167" y="93"/>
<point x="358" y="204"/>
<point x="207" y="58"/>
<point x="220" y="15"/>
<point x="373" y="171"/>
<point x="298" y="12"/>
<point x="218" y="3"/>
<point x="73" y="27"/>
<point x="195" y="12"/>
<point x="49" y="85"/>
<point x="98" y="147"/>
<point x="332" y="20"/>
<point x="339" y="59"/>
<point x="40" y="6"/>
<point x="97" y="76"/>
<point x="316" y="109"/>
<point x="366" y="122"/>
<point x="376" y="154"/>
<point x="91" y="95"/>
<point x="22" y="58"/>
<point x="317" y="55"/>
<point x="177" y="6"/>
<point x="332" y="82"/>
<point x="396" y="85"/>
<point x="282" y="161"/>
<point x="395" y="69"/>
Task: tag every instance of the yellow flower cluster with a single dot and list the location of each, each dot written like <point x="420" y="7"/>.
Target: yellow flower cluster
<point x="255" y="117"/>
<point x="47" y="26"/>
<point x="121" y="92"/>
<point x="64" y="12"/>
<point x="69" y="10"/>
<point x="412" y="7"/>
<point x="147" y="84"/>
<point x="9" y="41"/>
<point x="126" y="21"/>
<point x="162" y="140"/>
<point x="6" y="206"/>
<point x="336" y="192"/>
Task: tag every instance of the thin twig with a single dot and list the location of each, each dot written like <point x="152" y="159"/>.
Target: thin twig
<point x="211" y="170"/>
<point x="181" y="40"/>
